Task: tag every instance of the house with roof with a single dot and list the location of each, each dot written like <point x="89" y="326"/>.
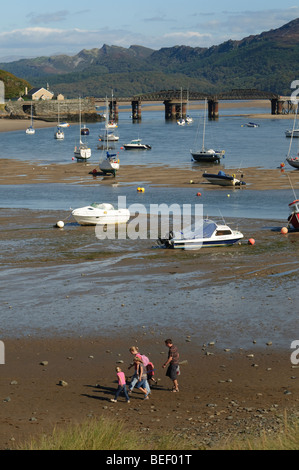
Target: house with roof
<point x="40" y="94"/>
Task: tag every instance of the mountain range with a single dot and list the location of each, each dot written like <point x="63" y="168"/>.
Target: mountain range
<point x="268" y="61"/>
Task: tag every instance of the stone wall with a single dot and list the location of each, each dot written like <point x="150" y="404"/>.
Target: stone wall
<point x="48" y="110"/>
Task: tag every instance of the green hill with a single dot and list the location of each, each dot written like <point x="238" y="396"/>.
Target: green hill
<point x="268" y="61"/>
<point x="14" y="86"/>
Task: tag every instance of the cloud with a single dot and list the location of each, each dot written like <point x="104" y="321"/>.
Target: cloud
<point x="238" y="24"/>
<point x="47" y="18"/>
<point x="39" y="40"/>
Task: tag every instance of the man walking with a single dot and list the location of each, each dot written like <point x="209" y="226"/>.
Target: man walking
<point x="173" y="364"/>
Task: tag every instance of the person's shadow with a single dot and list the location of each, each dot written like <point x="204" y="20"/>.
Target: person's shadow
<point x="106" y="392"/>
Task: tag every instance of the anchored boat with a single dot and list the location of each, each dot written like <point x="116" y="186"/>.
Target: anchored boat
<point x="205" y="234"/>
<point x="103" y="213"/>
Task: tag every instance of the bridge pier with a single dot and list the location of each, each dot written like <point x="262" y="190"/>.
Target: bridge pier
<point x="277" y="106"/>
<point x="173" y="110"/>
<point x="213" y="109"/>
<point x="136" y="110"/>
<point x="113" y="110"/>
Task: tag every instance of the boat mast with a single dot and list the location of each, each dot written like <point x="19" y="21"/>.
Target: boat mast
<point x="293" y="130"/>
<point x="204" y="125"/>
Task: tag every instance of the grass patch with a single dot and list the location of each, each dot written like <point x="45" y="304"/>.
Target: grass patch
<point x="103" y="434"/>
<point x="287" y="438"/>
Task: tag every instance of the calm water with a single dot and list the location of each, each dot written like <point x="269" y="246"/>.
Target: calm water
<point x="99" y="296"/>
<point x="265" y="146"/>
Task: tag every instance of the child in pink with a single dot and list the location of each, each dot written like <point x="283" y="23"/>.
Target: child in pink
<point x="122" y="387"/>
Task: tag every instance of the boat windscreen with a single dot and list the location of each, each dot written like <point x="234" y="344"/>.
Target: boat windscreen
<point x="202" y="229"/>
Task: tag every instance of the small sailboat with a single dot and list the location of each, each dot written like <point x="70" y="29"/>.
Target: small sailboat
<point x="204" y="154"/>
<point x="82" y="152"/>
<point x="59" y="134"/>
<point x="84" y="130"/>
<point x="189" y="119"/>
<point x="109" y="164"/>
<point x="30" y="129"/>
<point x="181" y="121"/>
<point x="111" y="123"/>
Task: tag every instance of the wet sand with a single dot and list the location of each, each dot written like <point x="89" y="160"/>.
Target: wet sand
<point x="222" y="393"/>
<point x="234" y="385"/>
<point x="17" y="172"/>
<point x="224" y="390"/>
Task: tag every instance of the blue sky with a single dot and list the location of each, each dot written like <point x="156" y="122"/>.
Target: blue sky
<point x="35" y="28"/>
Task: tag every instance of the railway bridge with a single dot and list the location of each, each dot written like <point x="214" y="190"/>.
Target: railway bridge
<point x="175" y="101"/>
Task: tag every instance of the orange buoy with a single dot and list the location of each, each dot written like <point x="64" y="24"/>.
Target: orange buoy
<point x="284" y="230"/>
<point x="251" y="241"/>
<point x="282" y="165"/>
<point x="198" y="194"/>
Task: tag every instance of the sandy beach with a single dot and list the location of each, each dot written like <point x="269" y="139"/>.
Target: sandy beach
<point x="224" y="391"/>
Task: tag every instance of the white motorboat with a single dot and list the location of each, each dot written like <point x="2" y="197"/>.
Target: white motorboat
<point x="103" y="213"/>
<point x="108" y="136"/>
<point x="223" y="179"/>
<point x="203" y="154"/>
<point x="251" y="124"/>
<point x="292" y="133"/>
<point x="205" y="233"/>
<point x="82" y="151"/>
<point x="137" y="145"/>
<point x="110" y="164"/>
<point x="64" y="124"/>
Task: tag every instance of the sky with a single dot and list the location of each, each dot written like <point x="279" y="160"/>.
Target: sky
<point x="43" y="28"/>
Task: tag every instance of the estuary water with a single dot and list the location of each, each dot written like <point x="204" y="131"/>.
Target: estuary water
<point x="96" y="297"/>
<point x="264" y="147"/>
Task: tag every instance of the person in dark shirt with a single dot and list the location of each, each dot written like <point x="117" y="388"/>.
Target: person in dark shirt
<point x="173" y="364"/>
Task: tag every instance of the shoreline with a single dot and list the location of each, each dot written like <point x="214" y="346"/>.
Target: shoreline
<point x="10" y="125"/>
